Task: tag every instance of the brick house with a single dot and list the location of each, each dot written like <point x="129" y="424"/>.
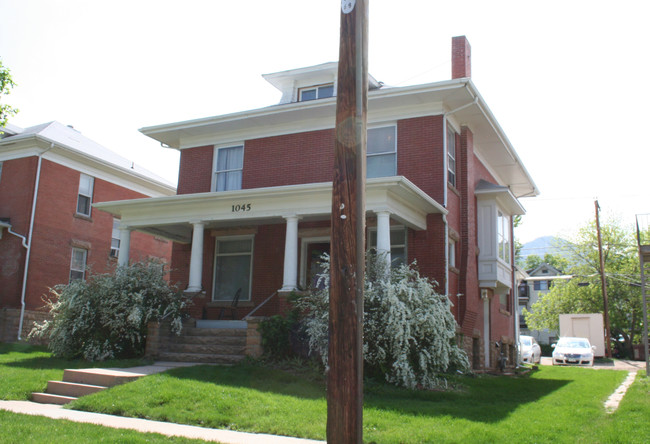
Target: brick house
<point x="254" y="197"/>
<point x="50" y="175"/>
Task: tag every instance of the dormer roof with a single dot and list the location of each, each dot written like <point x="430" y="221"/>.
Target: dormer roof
<point x="291" y="81"/>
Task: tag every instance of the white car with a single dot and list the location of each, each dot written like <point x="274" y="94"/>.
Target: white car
<point x="529" y="349"/>
<point x="576" y="351"/>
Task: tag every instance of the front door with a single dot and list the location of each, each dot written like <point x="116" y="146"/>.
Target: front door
<point x="315" y="252"/>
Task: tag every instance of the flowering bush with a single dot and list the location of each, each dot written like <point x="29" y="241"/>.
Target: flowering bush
<point x="106" y="316"/>
<point x="408" y="332"/>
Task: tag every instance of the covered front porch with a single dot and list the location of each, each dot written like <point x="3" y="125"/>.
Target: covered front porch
<point x="261" y="240"/>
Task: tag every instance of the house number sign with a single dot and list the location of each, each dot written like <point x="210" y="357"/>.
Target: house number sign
<point x="238" y="208"/>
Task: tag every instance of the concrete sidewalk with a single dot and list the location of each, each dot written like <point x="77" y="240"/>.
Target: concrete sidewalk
<point x="144" y="425"/>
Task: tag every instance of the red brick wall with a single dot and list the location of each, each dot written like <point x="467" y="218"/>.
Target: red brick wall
<point x="57" y="229"/>
<point x="16" y="190"/>
<point x="195" y="170"/>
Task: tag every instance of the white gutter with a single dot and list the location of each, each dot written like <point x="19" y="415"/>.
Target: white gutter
<point x="29" y="245"/>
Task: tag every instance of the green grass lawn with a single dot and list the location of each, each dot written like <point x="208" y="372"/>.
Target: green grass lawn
<point x="548" y="405"/>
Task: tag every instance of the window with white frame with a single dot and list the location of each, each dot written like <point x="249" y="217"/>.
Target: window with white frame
<point x="316" y="92"/>
<point x="115" y="238"/>
<point x="381" y="154"/>
<point x="78" y="264"/>
<point x="85" y="197"/>
<point x="228" y="168"/>
<point x="451" y="156"/>
<point x="503" y="237"/>
<point x="397" y="244"/>
<point x="233" y="268"/>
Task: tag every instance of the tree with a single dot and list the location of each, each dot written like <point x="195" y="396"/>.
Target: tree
<point x="409" y="332"/>
<point x="106" y="316"/>
<point x="6" y="83"/>
<point x="583" y="294"/>
<point x="554" y="260"/>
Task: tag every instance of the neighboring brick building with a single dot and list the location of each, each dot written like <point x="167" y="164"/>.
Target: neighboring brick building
<point x="254" y="197"/>
<point x="61" y="173"/>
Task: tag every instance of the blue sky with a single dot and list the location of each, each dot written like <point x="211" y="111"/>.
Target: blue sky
<point x="567" y="80"/>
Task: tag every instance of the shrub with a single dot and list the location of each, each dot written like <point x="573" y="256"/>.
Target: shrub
<point x="106" y="316"/>
<point x="409" y="331"/>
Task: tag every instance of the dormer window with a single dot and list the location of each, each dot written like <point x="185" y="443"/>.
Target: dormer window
<point x="316" y="92"/>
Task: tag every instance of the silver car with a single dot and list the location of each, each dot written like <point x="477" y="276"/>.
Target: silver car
<point x="574" y="351"/>
<point x="529" y="349"/>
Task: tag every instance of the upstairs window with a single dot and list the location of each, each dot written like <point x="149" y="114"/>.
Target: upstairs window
<point x="115" y="238"/>
<point x="229" y="166"/>
<point x="451" y="156"/>
<point x="0" y="170"/>
<point x="381" y="154"/>
<point x="316" y="92"/>
<point x="503" y="237"/>
<point x="85" y="197"/>
<point x="78" y="264"/>
<point x="541" y="285"/>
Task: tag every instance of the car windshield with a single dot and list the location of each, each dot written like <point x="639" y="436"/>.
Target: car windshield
<point x="526" y="341"/>
<point x="573" y="343"/>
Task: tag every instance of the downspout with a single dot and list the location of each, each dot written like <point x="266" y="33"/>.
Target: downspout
<point x="29" y="245"/>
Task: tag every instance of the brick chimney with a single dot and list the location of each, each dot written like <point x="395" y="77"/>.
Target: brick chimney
<point x="461" y="58"/>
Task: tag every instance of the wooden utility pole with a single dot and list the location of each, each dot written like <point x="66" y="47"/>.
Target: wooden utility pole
<point x="603" y="284"/>
<point x="347" y="267"/>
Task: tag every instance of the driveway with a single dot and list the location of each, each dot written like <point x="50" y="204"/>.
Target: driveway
<point x="616" y="364"/>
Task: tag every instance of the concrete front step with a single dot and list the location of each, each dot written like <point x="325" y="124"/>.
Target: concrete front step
<point x="72" y="389"/>
<point x="193" y="331"/>
<point x="99" y="376"/>
<point x="207" y="349"/>
<point x="51" y="398"/>
<point x="207" y="340"/>
<point x="201" y="357"/>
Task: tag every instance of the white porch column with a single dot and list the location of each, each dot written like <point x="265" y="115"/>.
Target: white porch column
<point x="196" y="259"/>
<point x="125" y="246"/>
<point x="290" y="279"/>
<point x="383" y="237"/>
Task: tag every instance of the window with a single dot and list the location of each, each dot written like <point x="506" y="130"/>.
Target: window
<point x="0" y="170"/>
<point x="381" y="152"/>
<point x="316" y="92"/>
<point x="85" y="197"/>
<point x="233" y="268"/>
<point x="452" y="253"/>
<point x="397" y="244"/>
<point x="503" y="237"/>
<point x="78" y="264"/>
<point x="228" y="171"/>
<point x="451" y="156"/>
<point x="541" y="285"/>
<point x="115" y="238"/>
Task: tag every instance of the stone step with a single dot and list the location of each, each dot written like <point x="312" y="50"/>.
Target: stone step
<point x="207" y="349"/>
<point x="213" y="332"/>
<point x="50" y="398"/>
<point x="72" y="389"/>
<point x="98" y="376"/>
<point x="201" y="357"/>
<point x="207" y="340"/>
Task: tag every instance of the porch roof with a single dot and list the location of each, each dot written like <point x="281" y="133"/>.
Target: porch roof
<point x="171" y="217"/>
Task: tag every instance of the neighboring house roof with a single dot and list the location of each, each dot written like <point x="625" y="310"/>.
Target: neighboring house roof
<point x="539" y="271"/>
<point x="65" y="145"/>
<point x="458" y="100"/>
